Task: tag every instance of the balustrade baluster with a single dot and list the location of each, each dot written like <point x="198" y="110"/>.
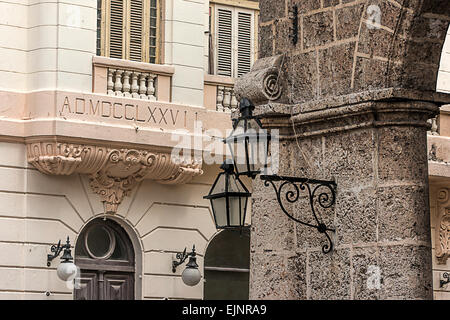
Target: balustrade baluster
<point x="234" y="101"/>
<point x="134" y="84"/>
<point x="118" y="83"/>
<point x="434" y="126"/>
<point x="126" y="83"/>
<point x="227" y="99"/>
<point x="143" y="85"/>
<point x="110" y="83"/>
<point x="219" y="106"/>
<point x="151" y="87"/>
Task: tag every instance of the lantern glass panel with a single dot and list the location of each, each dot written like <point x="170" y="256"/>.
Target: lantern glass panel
<point x="237" y="204"/>
<point x="235" y="185"/>
<point x="244" y="201"/>
<point x="220" y="211"/>
<point x="219" y="187"/>
<point x="235" y="211"/>
<point x="236" y="145"/>
<point x="248" y="144"/>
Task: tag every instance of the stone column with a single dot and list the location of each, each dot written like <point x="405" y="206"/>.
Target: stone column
<point x="352" y="105"/>
<point x="377" y="154"/>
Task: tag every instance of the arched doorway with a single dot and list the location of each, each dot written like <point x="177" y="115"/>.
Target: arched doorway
<point x="227" y="264"/>
<point x="104" y="253"/>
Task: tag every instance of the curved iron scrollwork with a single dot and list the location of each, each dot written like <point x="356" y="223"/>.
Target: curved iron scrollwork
<point x="181" y="257"/>
<point x="56" y="249"/>
<point x="323" y="191"/>
<point x="446" y="275"/>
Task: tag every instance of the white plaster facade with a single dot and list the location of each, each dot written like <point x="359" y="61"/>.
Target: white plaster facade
<point x="47" y="49"/>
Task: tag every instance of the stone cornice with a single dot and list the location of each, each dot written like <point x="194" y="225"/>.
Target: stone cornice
<point x="276" y="109"/>
<point x="350" y="117"/>
<point x="112" y="172"/>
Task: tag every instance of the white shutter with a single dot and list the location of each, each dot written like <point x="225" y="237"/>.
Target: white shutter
<point x="116" y="29"/>
<point x="224" y="42"/>
<point x="244" y="43"/>
<point x="136" y="29"/>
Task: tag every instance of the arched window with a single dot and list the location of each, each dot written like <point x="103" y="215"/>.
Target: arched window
<point x="105" y="255"/>
<point x="227" y="263"/>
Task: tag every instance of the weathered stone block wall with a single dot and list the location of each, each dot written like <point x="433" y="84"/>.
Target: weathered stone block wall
<point x="358" y="94"/>
<point x="381" y="218"/>
<point x="340" y="51"/>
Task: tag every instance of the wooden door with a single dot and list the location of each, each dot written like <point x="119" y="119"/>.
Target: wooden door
<point x="99" y="285"/>
<point x="88" y="286"/>
<point x="117" y="286"/>
<point x="105" y="255"/>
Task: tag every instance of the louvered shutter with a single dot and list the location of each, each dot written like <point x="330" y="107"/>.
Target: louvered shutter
<point x="136" y="24"/>
<point x="99" y="27"/>
<point x="244" y="43"/>
<point x="224" y="42"/>
<point x="116" y="29"/>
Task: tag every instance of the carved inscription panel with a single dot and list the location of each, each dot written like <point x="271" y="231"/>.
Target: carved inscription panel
<point x="122" y="110"/>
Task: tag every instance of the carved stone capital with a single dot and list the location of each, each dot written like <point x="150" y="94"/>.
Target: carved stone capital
<point x="442" y="228"/>
<point x="262" y="84"/>
<point x="113" y="173"/>
<point x="373" y="114"/>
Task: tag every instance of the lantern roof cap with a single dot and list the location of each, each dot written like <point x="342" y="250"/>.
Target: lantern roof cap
<point x="228" y="166"/>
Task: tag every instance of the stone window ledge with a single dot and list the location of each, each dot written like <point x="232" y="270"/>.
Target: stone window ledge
<point x="132" y="65"/>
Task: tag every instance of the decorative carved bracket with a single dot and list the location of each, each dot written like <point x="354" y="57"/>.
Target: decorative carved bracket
<point x="262" y="84"/>
<point x="113" y="173"/>
<point x="442" y="230"/>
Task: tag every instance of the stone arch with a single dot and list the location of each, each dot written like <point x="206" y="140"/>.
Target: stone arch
<point x="342" y="51"/>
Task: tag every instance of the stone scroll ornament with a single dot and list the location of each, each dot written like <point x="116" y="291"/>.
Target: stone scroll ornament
<point x="262" y="84"/>
<point x="442" y="227"/>
<point x="113" y="173"/>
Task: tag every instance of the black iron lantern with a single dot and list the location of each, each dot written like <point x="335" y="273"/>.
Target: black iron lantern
<point x="191" y="275"/>
<point x="248" y="142"/>
<point x="66" y="270"/>
<point x="229" y="198"/>
<point x="249" y="146"/>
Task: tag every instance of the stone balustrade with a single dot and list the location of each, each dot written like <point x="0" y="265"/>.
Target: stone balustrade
<point x="131" y="84"/>
<point x="226" y="99"/>
<point x="219" y="93"/>
<point x="139" y="80"/>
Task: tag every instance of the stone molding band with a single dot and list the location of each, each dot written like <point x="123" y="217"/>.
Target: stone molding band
<point x="351" y="117"/>
<point x="113" y="172"/>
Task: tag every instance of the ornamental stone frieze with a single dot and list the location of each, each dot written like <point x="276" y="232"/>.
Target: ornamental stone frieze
<point x="442" y="227"/>
<point x="113" y="172"/>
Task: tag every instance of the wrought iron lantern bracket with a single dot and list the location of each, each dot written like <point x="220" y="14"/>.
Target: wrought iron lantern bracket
<point x="56" y="249"/>
<point x="323" y="191"/>
<point x="181" y="257"/>
<point x="248" y="133"/>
